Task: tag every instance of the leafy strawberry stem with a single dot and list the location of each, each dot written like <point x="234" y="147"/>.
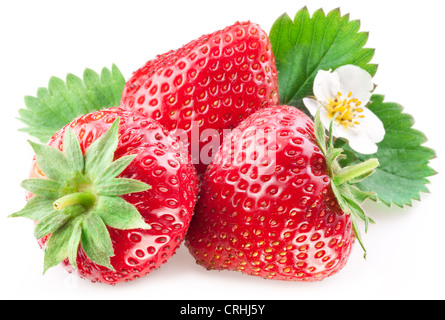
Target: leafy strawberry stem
<point x="343" y="179"/>
<point x="81" y="198"/>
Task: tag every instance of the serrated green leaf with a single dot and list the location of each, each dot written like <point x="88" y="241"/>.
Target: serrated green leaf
<point x="117" y="83"/>
<point x="404" y="161"/>
<point x="119" y="214"/>
<point x="305" y="45"/>
<point x="94" y="90"/>
<point x="51" y="102"/>
<point x="60" y="96"/>
<point x="106" y="77"/>
<point x="79" y="94"/>
<point x="62" y="102"/>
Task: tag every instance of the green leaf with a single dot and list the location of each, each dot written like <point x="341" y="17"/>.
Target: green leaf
<point x="356" y="172"/>
<point x="51" y="223"/>
<point x="35" y="209"/>
<point x="121" y="186"/>
<point x="341" y="201"/>
<point x="358" y="211"/>
<point x="62" y="102"/>
<point x="119" y="214"/>
<point x="404" y="161"/>
<point x="305" y="45"/>
<point x="101" y="152"/>
<point x="357" y="233"/>
<point x="42" y="187"/>
<point x="73" y="152"/>
<point x="51" y="161"/>
<point x="359" y="196"/>
<point x="97" y="230"/>
<point x="96" y="241"/>
<point x="74" y="241"/>
<point x="115" y="169"/>
<point x="320" y="133"/>
<point x="332" y="156"/>
<point x="57" y="246"/>
<point x="351" y="207"/>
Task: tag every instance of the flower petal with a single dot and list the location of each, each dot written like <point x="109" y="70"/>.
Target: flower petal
<point x="363" y="137"/>
<point x="312" y="105"/>
<point x="360" y="142"/>
<point x="340" y="131"/>
<point x="326" y="85"/>
<point x="325" y="119"/>
<point x="371" y="125"/>
<point x="356" y="80"/>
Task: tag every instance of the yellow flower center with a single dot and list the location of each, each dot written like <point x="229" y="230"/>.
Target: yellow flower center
<point x="346" y="110"/>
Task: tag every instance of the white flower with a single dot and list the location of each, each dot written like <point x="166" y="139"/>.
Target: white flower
<point x="345" y="93"/>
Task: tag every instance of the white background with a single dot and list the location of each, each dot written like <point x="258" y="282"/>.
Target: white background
<point x="40" y="39"/>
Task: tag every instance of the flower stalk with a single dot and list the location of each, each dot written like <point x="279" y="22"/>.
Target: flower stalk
<point x="86" y="199"/>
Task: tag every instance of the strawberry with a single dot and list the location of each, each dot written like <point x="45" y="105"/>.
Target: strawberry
<point x="269" y="206"/>
<point x="110" y="229"/>
<point x="213" y="82"/>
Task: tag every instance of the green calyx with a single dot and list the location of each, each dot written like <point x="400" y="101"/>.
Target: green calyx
<point x="344" y="179"/>
<point x="80" y="198"/>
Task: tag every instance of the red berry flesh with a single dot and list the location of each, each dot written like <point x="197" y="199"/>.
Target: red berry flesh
<point x="275" y="217"/>
<point x="167" y="207"/>
<point x="213" y="82"/>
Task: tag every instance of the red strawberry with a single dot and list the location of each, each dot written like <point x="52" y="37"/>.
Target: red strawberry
<point x="213" y="82"/>
<point x="267" y="206"/>
<point x="111" y="229"/>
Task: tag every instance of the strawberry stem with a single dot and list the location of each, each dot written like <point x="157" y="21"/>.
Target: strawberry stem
<point x="87" y="199"/>
<point x="359" y="170"/>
